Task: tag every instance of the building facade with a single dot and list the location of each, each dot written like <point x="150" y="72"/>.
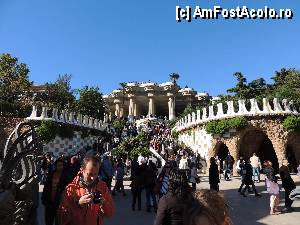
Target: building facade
<point x="150" y="99"/>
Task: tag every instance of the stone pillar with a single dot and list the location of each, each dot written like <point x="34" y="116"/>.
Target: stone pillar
<point x="135" y="109"/>
<point x="122" y="111"/>
<point x="151" y="107"/>
<point x="131" y="105"/>
<point x="171" y="106"/>
<point x="118" y="110"/>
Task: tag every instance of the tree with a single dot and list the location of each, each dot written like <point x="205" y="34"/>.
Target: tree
<point x="15" y="85"/>
<point x="241" y="89"/>
<point x="286" y="85"/>
<point x="58" y="94"/>
<point x="123" y="85"/>
<point x="14" y="80"/>
<point x="90" y="102"/>
<point x="174" y="77"/>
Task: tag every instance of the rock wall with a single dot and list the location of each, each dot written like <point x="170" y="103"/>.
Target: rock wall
<point x="246" y="140"/>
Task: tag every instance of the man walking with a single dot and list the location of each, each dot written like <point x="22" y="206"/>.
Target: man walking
<point x="255" y="163"/>
<point x="288" y="184"/>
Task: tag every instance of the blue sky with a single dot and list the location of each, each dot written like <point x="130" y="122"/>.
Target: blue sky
<point x="104" y="43"/>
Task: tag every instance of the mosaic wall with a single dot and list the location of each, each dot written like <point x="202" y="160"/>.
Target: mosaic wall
<point x="68" y="146"/>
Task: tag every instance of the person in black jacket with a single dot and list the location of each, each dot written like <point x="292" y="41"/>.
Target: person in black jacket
<point x="247" y="180"/>
<point x="171" y="206"/>
<point x="214" y="179"/>
<point x="287" y="183"/>
<point x="56" y="182"/>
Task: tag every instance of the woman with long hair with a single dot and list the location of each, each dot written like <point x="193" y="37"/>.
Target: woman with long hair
<point x="55" y="183"/>
<point x="171" y="206"/>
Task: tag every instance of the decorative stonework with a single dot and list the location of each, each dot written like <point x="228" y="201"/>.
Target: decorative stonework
<point x="265" y="122"/>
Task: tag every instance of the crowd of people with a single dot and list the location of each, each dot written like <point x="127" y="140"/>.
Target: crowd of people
<point x="78" y="189"/>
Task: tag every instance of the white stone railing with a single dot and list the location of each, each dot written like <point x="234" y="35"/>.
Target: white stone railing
<point x="68" y="118"/>
<point x="208" y="114"/>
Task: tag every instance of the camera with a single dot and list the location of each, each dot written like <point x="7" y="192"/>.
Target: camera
<point x="97" y="197"/>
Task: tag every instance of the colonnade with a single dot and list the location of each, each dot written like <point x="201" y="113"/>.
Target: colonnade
<point x="133" y="108"/>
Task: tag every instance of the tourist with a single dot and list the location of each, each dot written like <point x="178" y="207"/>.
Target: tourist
<point x="87" y="199"/>
<point x="171" y="206"/>
<point x="273" y="190"/>
<point x="229" y="162"/>
<point x="214" y="179"/>
<point x="107" y="171"/>
<point x="149" y="183"/>
<point x="163" y="179"/>
<point x="136" y="187"/>
<point x="269" y="173"/>
<point x="255" y="163"/>
<point x="288" y="185"/>
<point x="194" y="179"/>
<point x="248" y="180"/>
<point x="119" y="175"/>
<point x="53" y="188"/>
<point x="238" y="165"/>
<point x="298" y="169"/>
<point x="206" y="207"/>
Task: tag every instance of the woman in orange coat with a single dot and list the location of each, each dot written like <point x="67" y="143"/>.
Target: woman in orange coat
<point x="86" y="199"/>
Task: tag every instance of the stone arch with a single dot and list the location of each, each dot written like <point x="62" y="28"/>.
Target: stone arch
<point x="257" y="141"/>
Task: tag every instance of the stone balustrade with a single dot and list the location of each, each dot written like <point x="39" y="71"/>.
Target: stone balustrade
<point x="217" y="111"/>
<point x="67" y="117"/>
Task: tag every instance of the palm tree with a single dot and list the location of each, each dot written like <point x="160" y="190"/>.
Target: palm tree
<point x="123" y="85"/>
<point x="174" y="77"/>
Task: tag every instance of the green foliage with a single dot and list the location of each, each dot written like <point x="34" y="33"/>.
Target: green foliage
<point x="15" y="94"/>
<point x="118" y="124"/>
<point x="66" y="131"/>
<point x="174" y="134"/>
<point x="58" y="94"/>
<point x="174" y="77"/>
<point x="133" y="146"/>
<point x="90" y="102"/>
<point x="223" y="125"/>
<point x="48" y="130"/>
<point x="292" y="123"/>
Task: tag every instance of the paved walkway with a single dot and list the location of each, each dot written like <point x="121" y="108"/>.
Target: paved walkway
<point x="245" y="211"/>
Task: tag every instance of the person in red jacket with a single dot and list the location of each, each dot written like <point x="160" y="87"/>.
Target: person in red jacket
<point x="86" y="200"/>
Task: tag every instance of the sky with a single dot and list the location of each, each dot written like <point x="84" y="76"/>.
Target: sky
<point x="102" y="43"/>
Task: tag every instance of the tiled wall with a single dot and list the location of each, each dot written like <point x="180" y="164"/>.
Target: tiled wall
<point x="68" y="146"/>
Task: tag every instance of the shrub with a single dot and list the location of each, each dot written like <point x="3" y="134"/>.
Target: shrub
<point x="47" y="130"/>
<point x="223" y="125"/>
<point x="66" y="131"/>
<point x="292" y="123"/>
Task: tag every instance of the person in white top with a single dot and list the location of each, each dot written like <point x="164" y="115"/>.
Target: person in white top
<point x="183" y="163"/>
<point x="256" y="165"/>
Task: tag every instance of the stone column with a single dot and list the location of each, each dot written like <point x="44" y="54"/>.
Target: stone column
<point x="151" y="107"/>
<point x="135" y="109"/>
<point x="131" y="105"/>
<point x="171" y="106"/>
<point x="117" y="111"/>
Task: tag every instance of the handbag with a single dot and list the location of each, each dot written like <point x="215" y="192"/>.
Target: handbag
<point x="197" y="179"/>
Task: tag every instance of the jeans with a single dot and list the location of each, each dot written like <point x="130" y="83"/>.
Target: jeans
<point x="136" y="194"/>
<point x="150" y="195"/>
<point x="256" y="173"/>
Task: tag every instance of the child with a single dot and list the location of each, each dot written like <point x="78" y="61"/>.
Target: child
<point x="273" y="190"/>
